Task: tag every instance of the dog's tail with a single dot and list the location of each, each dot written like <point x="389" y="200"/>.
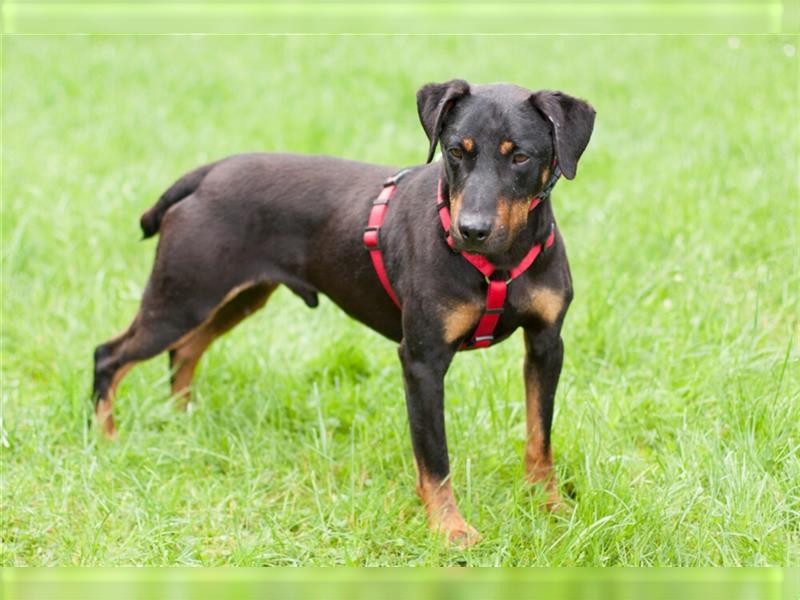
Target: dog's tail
<point x="186" y="185"/>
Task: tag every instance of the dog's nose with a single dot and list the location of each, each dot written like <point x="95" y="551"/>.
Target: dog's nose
<point x="473" y="228"/>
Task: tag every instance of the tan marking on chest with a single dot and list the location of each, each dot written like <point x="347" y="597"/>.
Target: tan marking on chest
<point x="506" y="146"/>
<point x="468" y="144"/>
<point x="459" y="320"/>
<point x="546" y="303"/>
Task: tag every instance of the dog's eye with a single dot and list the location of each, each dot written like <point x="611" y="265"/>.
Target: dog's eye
<point x="519" y="158"/>
<point x="456" y="153"/>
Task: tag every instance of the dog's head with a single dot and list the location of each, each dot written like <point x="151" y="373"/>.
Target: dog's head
<point x="499" y="144"/>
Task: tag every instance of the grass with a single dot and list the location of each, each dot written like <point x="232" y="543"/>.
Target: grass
<point x="678" y="411"/>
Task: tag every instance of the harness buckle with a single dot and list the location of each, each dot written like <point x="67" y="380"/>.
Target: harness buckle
<point x="489" y="278"/>
<point x="396" y="177"/>
<point x="482" y="338"/>
<point x="372" y="238"/>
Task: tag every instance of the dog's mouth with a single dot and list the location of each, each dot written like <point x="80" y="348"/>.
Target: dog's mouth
<point x="480" y="232"/>
<point x="493" y="245"/>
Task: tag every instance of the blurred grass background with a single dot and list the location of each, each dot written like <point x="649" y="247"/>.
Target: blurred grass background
<point x="398" y="584"/>
<point x="677" y="415"/>
<point x="400" y="16"/>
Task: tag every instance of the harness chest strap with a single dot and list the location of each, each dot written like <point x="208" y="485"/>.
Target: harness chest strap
<point x="372" y="233"/>
<point x="497" y="289"/>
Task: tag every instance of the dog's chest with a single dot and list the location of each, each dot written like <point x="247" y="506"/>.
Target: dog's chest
<point x="525" y="303"/>
<point x="535" y="301"/>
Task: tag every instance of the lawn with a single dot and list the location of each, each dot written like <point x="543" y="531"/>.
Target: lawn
<point x="678" y="415"/>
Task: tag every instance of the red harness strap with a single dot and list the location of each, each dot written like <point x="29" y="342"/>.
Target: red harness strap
<point x="372" y="233"/>
<point x="496" y="288"/>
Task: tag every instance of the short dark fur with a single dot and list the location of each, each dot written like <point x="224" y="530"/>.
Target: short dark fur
<point x="233" y="230"/>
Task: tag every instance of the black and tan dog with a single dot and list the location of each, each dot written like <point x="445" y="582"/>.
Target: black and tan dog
<point x="234" y="230"/>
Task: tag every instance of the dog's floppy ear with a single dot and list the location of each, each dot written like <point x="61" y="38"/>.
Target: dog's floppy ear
<point x="434" y="100"/>
<point x="572" y="120"/>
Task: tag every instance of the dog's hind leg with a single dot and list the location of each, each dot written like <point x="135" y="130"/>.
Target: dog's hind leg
<point x="145" y="338"/>
<point x="202" y="264"/>
<point x="184" y="356"/>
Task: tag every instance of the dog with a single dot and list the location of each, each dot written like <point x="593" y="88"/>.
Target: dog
<point x="447" y="255"/>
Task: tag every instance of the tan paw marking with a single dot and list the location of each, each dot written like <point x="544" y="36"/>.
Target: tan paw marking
<point x="443" y="513"/>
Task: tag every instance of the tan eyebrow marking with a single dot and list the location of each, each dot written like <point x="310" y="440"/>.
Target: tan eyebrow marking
<point x="468" y="144"/>
<point x="506" y="146"/>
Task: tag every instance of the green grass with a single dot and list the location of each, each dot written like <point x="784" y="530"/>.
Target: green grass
<point x="678" y="410"/>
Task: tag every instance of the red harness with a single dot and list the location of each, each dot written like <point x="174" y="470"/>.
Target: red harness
<point x="497" y="289"/>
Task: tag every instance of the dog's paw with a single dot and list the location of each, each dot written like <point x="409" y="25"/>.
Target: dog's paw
<point x="555" y="504"/>
<point x="551" y="500"/>
<point x="456" y="530"/>
<point x="463" y="537"/>
<point x="105" y="420"/>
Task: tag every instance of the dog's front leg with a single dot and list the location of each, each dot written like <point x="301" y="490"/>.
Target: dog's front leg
<point x="544" y="355"/>
<point x="425" y="361"/>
